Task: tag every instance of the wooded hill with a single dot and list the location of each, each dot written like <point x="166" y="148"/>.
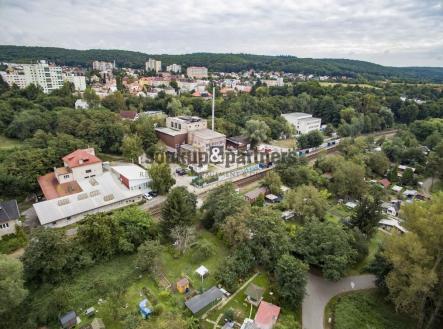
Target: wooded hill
<point x="225" y="62"/>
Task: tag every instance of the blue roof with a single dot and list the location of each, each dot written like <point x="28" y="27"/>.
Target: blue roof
<point x="144" y="309"/>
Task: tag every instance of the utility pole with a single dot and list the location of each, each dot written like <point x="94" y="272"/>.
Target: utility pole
<point x="213" y="107"/>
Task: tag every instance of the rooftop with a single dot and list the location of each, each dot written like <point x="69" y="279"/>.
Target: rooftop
<point x="267" y="315"/>
<point x="95" y="193"/>
<point x="131" y="171"/>
<point x="81" y="157"/>
<point x="52" y="189"/>
<point x="296" y="115"/>
<point x="207" y="134"/>
<point x="255" y="292"/>
<point x="8" y="211"/>
<point x="199" y="302"/>
<point x="169" y="131"/>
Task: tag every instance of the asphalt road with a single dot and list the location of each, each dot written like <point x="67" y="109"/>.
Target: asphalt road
<point x="319" y="291"/>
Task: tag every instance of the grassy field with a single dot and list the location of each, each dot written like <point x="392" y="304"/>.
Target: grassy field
<point x="8" y="143"/>
<point x="365" y="309"/>
<point x="287" y="143"/>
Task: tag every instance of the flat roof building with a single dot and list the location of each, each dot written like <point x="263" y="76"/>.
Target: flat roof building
<point x="303" y="122"/>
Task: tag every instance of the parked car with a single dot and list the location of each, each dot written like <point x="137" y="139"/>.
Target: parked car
<point x="153" y="194"/>
<point x="180" y="171"/>
<point x="147" y="196"/>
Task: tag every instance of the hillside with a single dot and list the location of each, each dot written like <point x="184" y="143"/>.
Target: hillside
<point x="225" y="62"/>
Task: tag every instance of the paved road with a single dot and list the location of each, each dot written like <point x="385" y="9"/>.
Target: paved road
<point x="319" y="291"/>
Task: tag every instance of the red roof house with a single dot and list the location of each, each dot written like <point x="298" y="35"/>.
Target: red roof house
<point x="266" y="316"/>
<point x="80" y="158"/>
<point x="385" y="182"/>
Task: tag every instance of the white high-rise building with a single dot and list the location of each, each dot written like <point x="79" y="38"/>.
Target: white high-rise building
<point x="49" y="77"/>
<point x="153" y="65"/>
<point x="197" y="72"/>
<point x="79" y="81"/>
<point x="103" y="66"/>
<point x="174" y="68"/>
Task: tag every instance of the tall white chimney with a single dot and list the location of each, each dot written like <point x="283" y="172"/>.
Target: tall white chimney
<point x="213" y="107"/>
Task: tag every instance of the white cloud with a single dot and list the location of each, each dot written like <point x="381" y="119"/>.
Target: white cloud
<point x="391" y="32"/>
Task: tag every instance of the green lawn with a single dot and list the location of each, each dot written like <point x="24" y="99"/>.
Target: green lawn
<point x="366" y="309"/>
<point x="8" y="143"/>
<point x="286" y="143"/>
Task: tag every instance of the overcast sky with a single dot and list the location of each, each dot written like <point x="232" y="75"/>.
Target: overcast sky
<point x="397" y="32"/>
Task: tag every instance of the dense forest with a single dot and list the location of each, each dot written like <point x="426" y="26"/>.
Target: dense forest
<point x="225" y="62"/>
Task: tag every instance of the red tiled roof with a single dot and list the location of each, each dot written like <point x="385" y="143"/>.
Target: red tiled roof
<point x="80" y="158"/>
<point x="267" y="315"/>
<point x="385" y="182"/>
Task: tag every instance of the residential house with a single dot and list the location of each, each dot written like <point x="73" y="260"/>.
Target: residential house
<point x="266" y="316"/>
<point x="9" y="215"/>
<point x="253" y="195"/>
<point x="129" y="115"/>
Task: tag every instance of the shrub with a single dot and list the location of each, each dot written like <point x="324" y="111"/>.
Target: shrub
<point x="203" y="250"/>
<point x="159" y="309"/>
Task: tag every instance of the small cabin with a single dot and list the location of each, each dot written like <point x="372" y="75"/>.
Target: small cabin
<point x="182" y="285"/>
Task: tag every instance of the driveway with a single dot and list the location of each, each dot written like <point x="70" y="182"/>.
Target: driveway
<point x="319" y="291"/>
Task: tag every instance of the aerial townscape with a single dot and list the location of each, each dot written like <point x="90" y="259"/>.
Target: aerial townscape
<point x="208" y="190"/>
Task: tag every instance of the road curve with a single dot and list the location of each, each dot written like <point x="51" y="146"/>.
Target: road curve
<point x="319" y="291"/>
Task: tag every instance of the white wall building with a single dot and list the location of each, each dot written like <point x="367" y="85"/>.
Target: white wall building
<point x="49" y="77"/>
<point x="133" y="177"/>
<point x="303" y="122"/>
<point x="197" y="72"/>
<point x="81" y="104"/>
<point x="153" y="65"/>
<point x="103" y="66"/>
<point x="175" y="68"/>
<point x="79" y="81"/>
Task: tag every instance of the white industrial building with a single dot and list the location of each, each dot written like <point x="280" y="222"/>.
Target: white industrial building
<point x="84" y="185"/>
<point x="303" y="122"/>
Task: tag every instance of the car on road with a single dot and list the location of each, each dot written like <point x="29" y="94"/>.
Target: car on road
<point x="153" y="194"/>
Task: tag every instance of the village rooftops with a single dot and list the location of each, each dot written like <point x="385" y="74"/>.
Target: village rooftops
<point x="81" y="158"/>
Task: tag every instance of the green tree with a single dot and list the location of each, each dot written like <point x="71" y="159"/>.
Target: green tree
<point x="311" y="139"/>
<point x="132" y="147"/>
<point x="221" y="202"/>
<point x="348" y="180"/>
<point x="326" y="245"/>
<point x="291" y="277"/>
<point x="367" y="214"/>
<point x="272" y="182"/>
<point x="11" y="284"/>
<point x="415" y="282"/>
<point x="161" y="178"/>
<point x="148" y="256"/>
<point x="257" y="131"/>
<point x="45" y="256"/>
<point x="178" y="209"/>
<point x="408" y="178"/>
<point x="307" y="202"/>
<point x="378" y="163"/>
<point x="91" y="97"/>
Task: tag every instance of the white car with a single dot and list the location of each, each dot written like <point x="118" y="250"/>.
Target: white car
<point x="147" y="196"/>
